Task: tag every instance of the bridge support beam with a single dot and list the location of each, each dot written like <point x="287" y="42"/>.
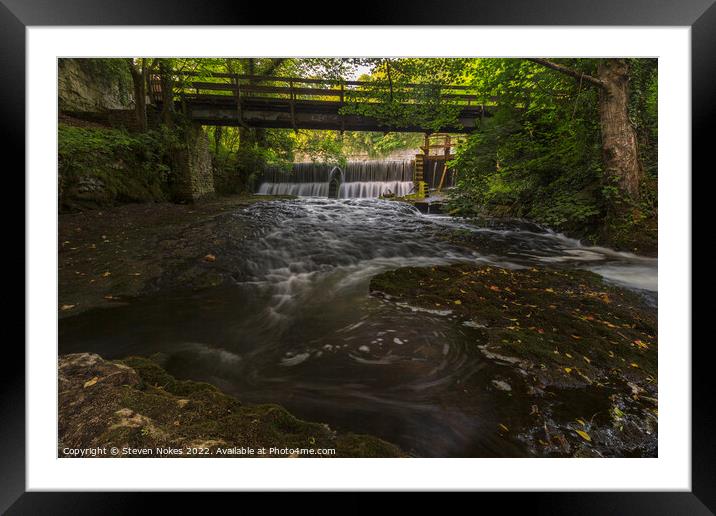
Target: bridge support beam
<point x="193" y="177"/>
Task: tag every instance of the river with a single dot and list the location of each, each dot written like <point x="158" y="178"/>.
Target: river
<point x="298" y="327"/>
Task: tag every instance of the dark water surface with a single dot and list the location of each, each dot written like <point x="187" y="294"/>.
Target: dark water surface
<point x="299" y="328"/>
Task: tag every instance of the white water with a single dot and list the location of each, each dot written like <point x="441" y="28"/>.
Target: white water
<point x="355" y="189"/>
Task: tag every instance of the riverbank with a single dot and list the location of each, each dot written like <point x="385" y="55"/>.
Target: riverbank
<point x="111" y="255"/>
<point x="133" y="408"/>
<point x="636" y="233"/>
<point x="578" y="356"/>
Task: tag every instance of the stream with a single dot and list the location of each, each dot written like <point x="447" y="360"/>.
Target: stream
<point x="297" y="326"/>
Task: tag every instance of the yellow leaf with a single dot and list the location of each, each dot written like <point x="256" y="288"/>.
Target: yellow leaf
<point x="503" y="427"/>
<point x="587" y="360"/>
<point x="633" y="364"/>
<point x="105" y="274"/>
<point x="584" y="435"/>
<point x="457" y="302"/>
<point x="568" y="369"/>
<point x="581" y="422"/>
<point x="90" y="383"/>
<point x="641" y="344"/>
<point x="549" y="290"/>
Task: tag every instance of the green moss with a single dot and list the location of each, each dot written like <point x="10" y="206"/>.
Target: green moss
<point x="153" y="375"/>
<point x="101" y="166"/>
<point x="190" y="411"/>
<point x="569" y="324"/>
<point x="354" y="445"/>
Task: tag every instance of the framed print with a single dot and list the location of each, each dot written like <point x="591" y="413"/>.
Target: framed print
<point x="432" y="250"/>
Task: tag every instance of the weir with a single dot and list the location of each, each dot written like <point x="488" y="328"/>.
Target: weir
<point x="358" y="179"/>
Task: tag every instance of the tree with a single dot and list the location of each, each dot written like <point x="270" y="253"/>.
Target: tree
<point x="620" y="152"/>
<point x="139" y="69"/>
<point x="167" y="88"/>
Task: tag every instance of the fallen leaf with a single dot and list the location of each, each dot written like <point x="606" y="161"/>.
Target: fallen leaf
<point x="584" y="435"/>
<point x="105" y="274"/>
<point x="91" y="382"/>
<point x="209" y="258"/>
<point x="67" y="307"/>
<point x="457" y="302"/>
<point x="504" y="428"/>
<point x="568" y="369"/>
<point x="641" y="344"/>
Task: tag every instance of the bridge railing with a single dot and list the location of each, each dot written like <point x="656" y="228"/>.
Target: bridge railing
<point x="214" y="86"/>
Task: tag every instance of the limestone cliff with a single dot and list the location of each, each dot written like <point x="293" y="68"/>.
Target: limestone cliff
<point x="93" y="85"/>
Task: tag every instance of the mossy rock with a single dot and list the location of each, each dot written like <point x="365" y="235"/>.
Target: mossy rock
<point x="134" y="403"/>
<point x="569" y="325"/>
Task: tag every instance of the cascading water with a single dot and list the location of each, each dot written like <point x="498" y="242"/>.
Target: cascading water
<point x="361" y="179"/>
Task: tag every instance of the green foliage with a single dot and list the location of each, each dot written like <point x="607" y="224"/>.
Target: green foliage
<point x="103" y="166"/>
<point x="643" y="106"/>
<point x="406" y="92"/>
<point x="539" y="156"/>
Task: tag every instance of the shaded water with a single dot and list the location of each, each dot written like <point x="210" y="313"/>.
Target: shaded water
<point x="299" y="328"/>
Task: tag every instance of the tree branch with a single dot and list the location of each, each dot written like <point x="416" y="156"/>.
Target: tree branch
<point x="569" y="71"/>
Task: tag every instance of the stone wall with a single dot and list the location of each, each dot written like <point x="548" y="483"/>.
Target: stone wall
<point x="93" y="85"/>
<point x="193" y="174"/>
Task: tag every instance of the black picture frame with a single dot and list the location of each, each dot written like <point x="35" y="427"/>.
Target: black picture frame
<point x="16" y="15"/>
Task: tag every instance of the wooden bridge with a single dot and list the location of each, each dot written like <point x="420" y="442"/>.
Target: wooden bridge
<point x="300" y="103"/>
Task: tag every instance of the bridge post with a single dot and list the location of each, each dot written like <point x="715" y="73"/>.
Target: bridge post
<point x="193" y="176"/>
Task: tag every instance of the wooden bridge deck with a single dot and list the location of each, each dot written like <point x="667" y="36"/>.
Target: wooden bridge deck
<point x="299" y="103"/>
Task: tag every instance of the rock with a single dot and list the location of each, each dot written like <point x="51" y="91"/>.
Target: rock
<point x="501" y="385"/>
<point x="136" y="405"/>
<point x="566" y="340"/>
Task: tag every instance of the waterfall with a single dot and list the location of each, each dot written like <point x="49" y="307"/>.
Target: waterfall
<point x="364" y="179"/>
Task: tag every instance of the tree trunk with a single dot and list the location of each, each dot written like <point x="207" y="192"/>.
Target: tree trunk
<point x="619" y="141"/>
<point x="620" y="153"/>
<point x="140" y="93"/>
<point x="167" y="85"/>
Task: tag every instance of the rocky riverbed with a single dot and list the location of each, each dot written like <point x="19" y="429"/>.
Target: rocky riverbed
<point x="109" y="256"/>
<point x="577" y="357"/>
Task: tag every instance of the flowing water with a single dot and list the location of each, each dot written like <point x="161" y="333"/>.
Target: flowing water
<point x="360" y="179"/>
<point x="298" y="326"/>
